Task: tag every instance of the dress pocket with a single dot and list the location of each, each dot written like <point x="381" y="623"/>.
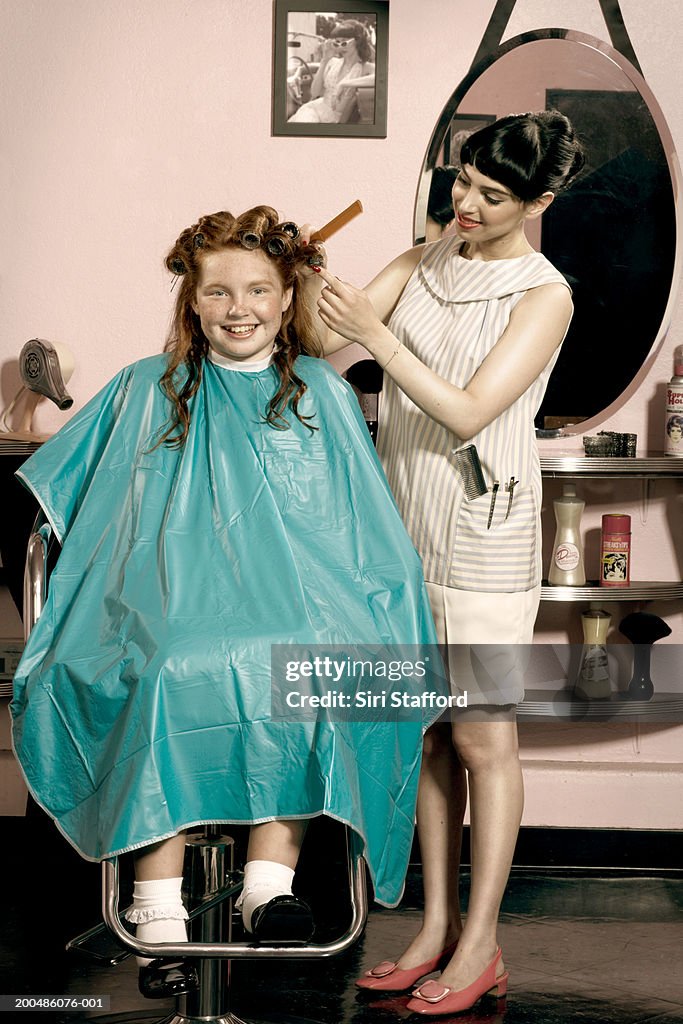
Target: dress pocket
<point x="504" y="557"/>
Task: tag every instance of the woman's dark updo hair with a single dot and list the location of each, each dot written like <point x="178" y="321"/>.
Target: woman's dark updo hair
<point x="440" y="201"/>
<point x="528" y="153"/>
<point x="354" y="30"/>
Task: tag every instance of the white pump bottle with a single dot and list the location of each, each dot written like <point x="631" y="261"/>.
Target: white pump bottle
<point x="566" y="564"/>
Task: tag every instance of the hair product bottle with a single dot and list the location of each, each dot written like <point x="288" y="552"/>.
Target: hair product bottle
<point x="673" y="434"/>
<point x="615" y="550"/>
<point x="593" y="682"/>
<point x="566" y="564"/>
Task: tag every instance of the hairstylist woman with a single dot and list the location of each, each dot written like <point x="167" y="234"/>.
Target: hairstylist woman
<point x="468" y="330"/>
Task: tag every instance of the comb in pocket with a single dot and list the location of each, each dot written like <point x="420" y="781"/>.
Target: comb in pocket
<point x="469" y="467"/>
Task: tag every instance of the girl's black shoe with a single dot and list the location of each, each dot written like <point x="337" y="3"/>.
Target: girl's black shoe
<point x="161" y="979"/>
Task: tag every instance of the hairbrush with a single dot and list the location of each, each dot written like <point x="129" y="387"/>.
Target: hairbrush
<point x="468" y="465"/>
<point x="338" y="222"/>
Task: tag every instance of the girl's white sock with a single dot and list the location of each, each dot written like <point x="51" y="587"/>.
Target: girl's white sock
<point x="158" y="912"/>
<point x="263" y="880"/>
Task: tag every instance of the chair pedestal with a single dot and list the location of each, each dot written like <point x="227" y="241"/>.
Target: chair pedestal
<point x="211" y="857"/>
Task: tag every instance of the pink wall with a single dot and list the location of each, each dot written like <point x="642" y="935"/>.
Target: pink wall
<point x="123" y="122"/>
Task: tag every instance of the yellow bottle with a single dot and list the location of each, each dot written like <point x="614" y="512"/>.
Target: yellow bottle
<point x="593" y="682"/>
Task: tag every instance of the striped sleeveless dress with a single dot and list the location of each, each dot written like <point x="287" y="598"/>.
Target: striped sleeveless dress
<point x="450" y="315"/>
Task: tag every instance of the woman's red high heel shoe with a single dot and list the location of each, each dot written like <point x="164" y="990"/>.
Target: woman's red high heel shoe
<point x="432" y="998"/>
<point x="387" y="977"/>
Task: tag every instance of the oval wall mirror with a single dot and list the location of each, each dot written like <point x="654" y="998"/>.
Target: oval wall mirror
<point x="613" y="234"/>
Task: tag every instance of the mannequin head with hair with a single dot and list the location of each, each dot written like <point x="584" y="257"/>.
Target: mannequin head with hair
<point x="239" y="295"/>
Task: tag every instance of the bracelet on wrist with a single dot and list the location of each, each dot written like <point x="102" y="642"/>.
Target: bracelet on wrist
<point x="392" y="356"/>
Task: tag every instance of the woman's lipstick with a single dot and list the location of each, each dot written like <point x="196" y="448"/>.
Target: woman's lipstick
<point x="465" y="223"/>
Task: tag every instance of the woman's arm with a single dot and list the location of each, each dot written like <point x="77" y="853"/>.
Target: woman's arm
<point x="318" y="83"/>
<point x="537" y="326"/>
<point x="356" y="83"/>
<point x="383" y="293"/>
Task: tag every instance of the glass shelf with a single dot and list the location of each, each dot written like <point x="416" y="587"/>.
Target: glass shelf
<point x="551" y="705"/>
<point x="12" y="447"/>
<point x="650" y="590"/>
<point x="651" y="464"/>
<point x="647" y="465"/>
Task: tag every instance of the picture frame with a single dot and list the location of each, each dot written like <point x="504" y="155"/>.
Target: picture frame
<point x="308" y="40"/>
<point x="460" y="125"/>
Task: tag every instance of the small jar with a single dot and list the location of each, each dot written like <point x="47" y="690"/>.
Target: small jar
<point x="615" y="550"/>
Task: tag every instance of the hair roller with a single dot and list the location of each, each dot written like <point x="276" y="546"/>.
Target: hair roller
<point x="198" y="240"/>
<point x="316" y="260"/>
<point x="290" y="229"/>
<point x="250" y="239"/>
<point x="276" y="245"/>
<point x="177" y="266"/>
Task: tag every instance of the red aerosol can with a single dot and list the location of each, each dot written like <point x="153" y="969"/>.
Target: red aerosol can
<point x="615" y="550"/>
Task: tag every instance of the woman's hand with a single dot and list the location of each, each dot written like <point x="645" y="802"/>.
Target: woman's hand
<point x="306" y="233"/>
<point x="348" y="311"/>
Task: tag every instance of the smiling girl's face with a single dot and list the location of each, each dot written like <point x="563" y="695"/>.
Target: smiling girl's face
<point x="240" y="300"/>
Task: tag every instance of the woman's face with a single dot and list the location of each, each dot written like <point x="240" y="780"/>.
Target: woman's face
<point x="344" y="46"/>
<point x="240" y="300"/>
<point x="485" y="209"/>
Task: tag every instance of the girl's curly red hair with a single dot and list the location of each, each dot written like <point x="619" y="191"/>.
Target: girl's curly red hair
<point x="186" y="344"/>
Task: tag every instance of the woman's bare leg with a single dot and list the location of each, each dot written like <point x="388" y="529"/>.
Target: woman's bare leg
<point x="489" y="752"/>
<point x="440" y="810"/>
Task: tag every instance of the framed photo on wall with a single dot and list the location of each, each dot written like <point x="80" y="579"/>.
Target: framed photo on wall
<point x="330" y="68"/>
<point x="460" y="128"/>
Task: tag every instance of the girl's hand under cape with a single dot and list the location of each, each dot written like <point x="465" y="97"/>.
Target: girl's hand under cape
<point x="348" y="311"/>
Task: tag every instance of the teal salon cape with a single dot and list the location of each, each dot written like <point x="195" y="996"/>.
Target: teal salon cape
<point x="142" y="702"/>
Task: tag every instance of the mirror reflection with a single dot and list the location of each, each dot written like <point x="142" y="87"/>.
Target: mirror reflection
<point x="612" y="234"/>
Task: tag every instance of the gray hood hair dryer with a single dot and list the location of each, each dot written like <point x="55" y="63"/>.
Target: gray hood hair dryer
<point x="45" y="368"/>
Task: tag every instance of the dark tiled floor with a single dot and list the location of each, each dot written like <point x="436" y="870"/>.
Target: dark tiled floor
<point x="579" y="947"/>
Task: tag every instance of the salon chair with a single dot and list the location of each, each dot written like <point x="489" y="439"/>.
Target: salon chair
<point x="213" y="883"/>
